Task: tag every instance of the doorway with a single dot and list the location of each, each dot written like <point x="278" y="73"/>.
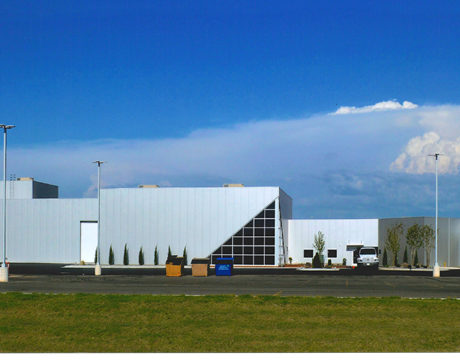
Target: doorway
<point x="88" y="241"/>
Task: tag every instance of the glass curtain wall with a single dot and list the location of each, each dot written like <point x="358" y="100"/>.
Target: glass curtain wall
<point x="253" y="244"/>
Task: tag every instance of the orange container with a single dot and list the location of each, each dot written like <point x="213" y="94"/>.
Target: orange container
<point x="175" y="266"/>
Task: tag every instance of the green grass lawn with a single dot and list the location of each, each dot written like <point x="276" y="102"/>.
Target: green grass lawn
<point x="144" y="323"/>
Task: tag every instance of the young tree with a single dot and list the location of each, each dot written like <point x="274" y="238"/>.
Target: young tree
<point x="111" y="256"/>
<point x="184" y="255"/>
<point x="392" y="241"/>
<point x="155" y="259"/>
<point x="141" y="257"/>
<point x="95" y="257"/>
<point x="319" y="244"/>
<point x="428" y="237"/>
<point x="414" y="240"/>
<point x="416" y="259"/>
<point x="405" y="259"/>
<point x="126" y="256"/>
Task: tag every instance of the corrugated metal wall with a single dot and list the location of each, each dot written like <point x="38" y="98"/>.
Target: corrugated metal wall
<point x="448" y="239"/>
<point x="199" y="218"/>
<point x="337" y="235"/>
<point x="46" y="230"/>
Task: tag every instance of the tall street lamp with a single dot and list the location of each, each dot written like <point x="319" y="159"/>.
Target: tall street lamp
<point x="4" y="269"/>
<point x="436" y="269"/>
<point x="97" y="268"/>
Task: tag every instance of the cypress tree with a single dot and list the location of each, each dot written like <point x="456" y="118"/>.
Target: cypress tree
<point x="126" y="256"/>
<point x="169" y="251"/>
<point x="111" y="256"/>
<point x="385" y="258"/>
<point x="184" y="255"/>
<point x="155" y="259"/>
<point x="95" y="256"/>
<point x="405" y="258"/>
<point x="316" y="261"/>
<point x="141" y="257"/>
<point x="416" y="259"/>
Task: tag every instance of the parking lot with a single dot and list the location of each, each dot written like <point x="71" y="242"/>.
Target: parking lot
<point x="273" y="281"/>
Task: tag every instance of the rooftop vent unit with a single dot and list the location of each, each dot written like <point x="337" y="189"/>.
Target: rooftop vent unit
<point x="233" y="185"/>
<point x="149" y="186"/>
<point x="25" y="179"/>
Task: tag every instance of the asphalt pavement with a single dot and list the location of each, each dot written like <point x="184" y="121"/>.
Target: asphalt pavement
<point x="274" y="281"/>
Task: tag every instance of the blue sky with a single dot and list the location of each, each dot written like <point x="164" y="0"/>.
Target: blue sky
<point x="196" y="93"/>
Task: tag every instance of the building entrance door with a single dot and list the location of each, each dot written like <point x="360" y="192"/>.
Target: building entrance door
<point x="88" y="241"/>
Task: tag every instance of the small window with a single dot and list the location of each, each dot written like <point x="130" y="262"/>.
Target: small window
<point x="332" y="253"/>
<point x="308" y="253"/>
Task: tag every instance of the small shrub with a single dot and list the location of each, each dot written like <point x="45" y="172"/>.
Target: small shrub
<point x="290" y="260"/>
<point x="344" y="262"/>
<point x="329" y="262"/>
<point x="385" y="258"/>
<point x="111" y="256"/>
<point x="308" y="264"/>
<point x="126" y="255"/>
<point x="155" y="258"/>
<point x="141" y="257"/>
<point x="184" y="255"/>
<point x="317" y="261"/>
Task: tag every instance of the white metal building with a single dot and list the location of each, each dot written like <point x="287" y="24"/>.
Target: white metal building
<point x="252" y="224"/>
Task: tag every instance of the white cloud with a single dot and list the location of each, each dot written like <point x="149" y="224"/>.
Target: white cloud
<point x="415" y="158"/>
<point x="380" y="106"/>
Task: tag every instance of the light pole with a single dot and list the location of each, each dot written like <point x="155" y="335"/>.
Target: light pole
<point x="436" y="269"/>
<point x="4" y="269"/>
<point x="97" y="268"/>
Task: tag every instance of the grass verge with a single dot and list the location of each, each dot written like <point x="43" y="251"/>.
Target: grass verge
<point x="145" y="323"/>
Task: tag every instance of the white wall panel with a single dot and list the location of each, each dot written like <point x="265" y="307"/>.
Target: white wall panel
<point x="337" y="234"/>
<point x="199" y="218"/>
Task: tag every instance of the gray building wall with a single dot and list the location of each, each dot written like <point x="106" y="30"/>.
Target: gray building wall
<point x="29" y="189"/>
<point x="448" y="239"/>
<point x="46" y="230"/>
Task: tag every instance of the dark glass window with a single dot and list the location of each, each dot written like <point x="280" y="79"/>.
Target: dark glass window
<point x="238" y="260"/>
<point x="248" y="260"/>
<point x="258" y="260"/>
<point x="250" y="224"/>
<point x="227" y="250"/>
<point x="259" y="232"/>
<point x="214" y="257"/>
<point x="261" y="215"/>
<point x="259" y="241"/>
<point x="270" y="241"/>
<point x="228" y="242"/>
<point x="269" y="232"/>
<point x="237" y="250"/>
<point x="332" y="253"/>
<point x="248" y="250"/>
<point x="258" y="250"/>
<point x="269" y="214"/>
<point x="259" y="223"/>
<point x="308" y="253"/>
<point x="248" y="232"/>
<point x="269" y="260"/>
<point x="269" y="250"/>
<point x="239" y="233"/>
<point x="270" y="223"/>
<point x="248" y="241"/>
<point x="271" y="206"/>
<point x="237" y="241"/>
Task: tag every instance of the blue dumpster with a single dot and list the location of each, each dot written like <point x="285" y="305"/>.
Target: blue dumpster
<point x="224" y="266"/>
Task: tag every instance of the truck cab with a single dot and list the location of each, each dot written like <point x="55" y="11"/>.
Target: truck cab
<point x="368" y="258"/>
